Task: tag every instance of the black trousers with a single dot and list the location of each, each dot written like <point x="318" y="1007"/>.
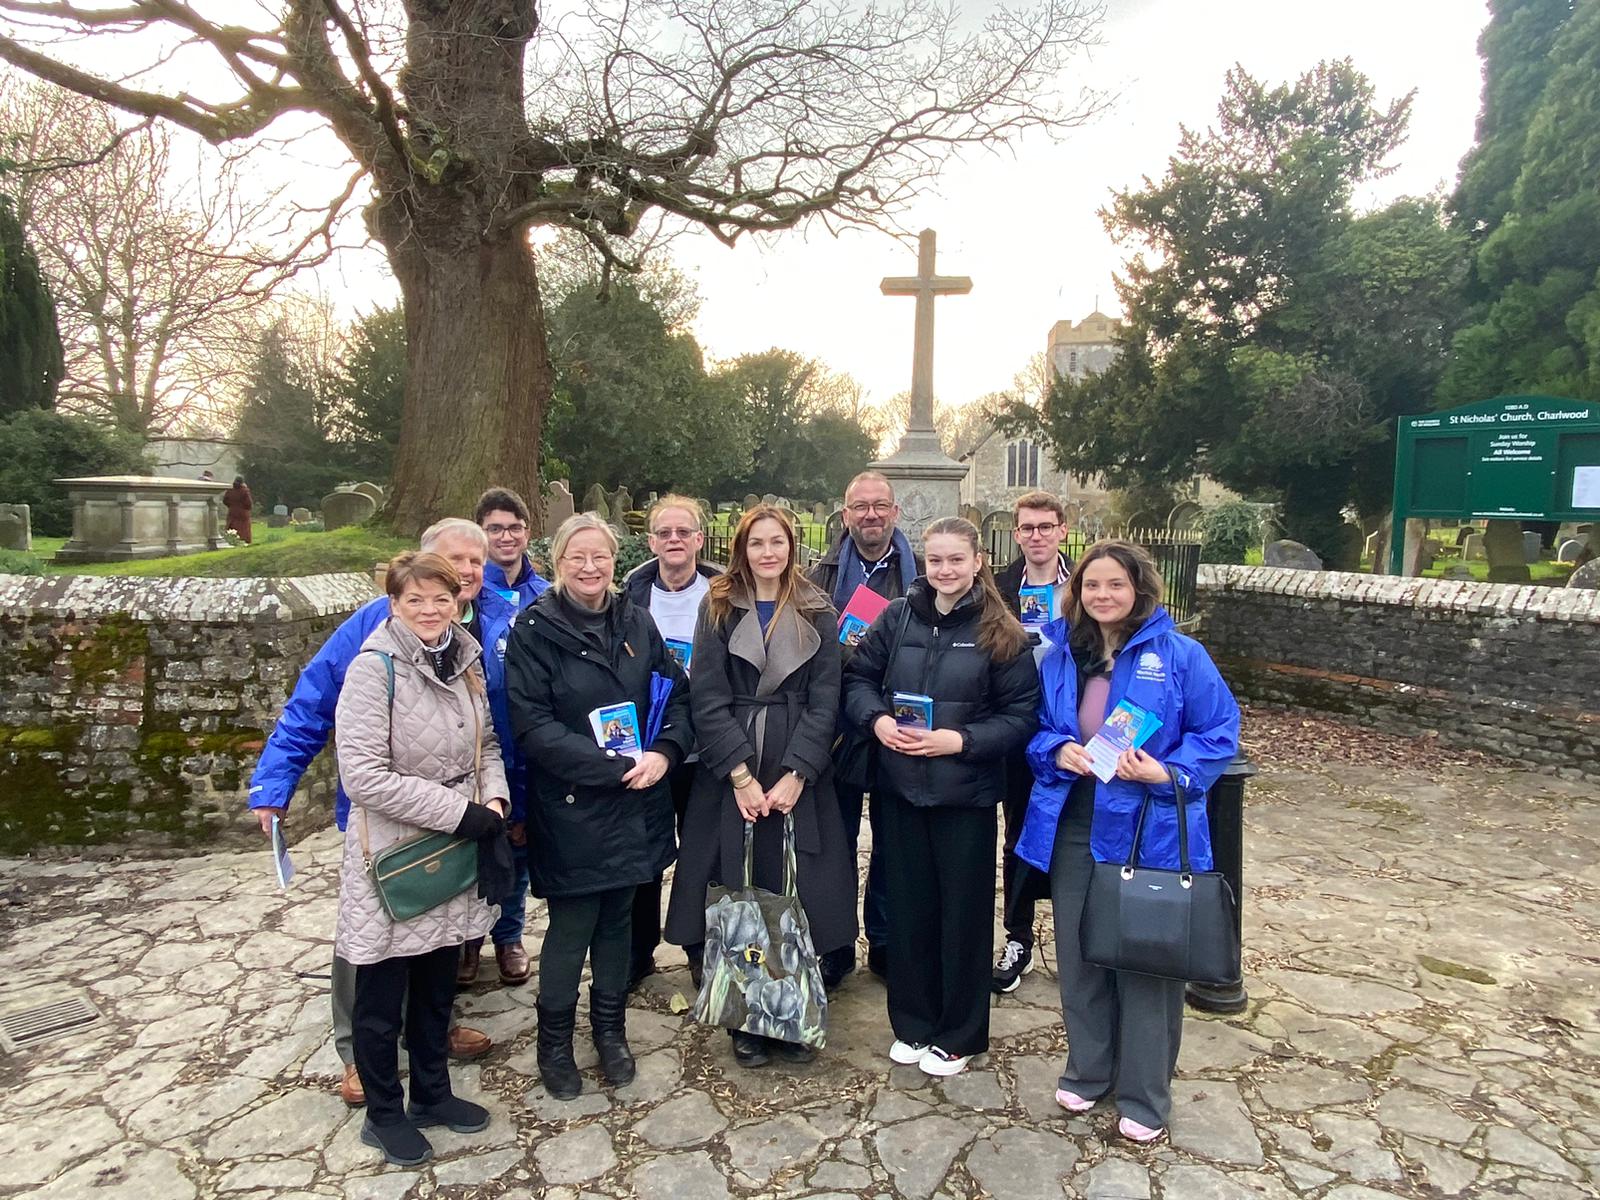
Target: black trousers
<point x="425" y="985"/>
<point x="1021" y="884"/>
<point x="595" y="927"/>
<point x="647" y="896"/>
<point x="939" y="869"/>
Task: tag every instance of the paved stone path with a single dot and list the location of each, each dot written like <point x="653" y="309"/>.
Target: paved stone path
<point x="1421" y="958"/>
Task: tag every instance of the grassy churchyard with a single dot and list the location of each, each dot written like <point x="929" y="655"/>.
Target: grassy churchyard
<point x="275" y="552"/>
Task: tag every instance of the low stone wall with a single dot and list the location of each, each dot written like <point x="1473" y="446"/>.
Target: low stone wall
<point x="1507" y="669"/>
<point x="132" y="710"/>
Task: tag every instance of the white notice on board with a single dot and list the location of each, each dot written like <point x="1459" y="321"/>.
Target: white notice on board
<point x="1586" y="487"/>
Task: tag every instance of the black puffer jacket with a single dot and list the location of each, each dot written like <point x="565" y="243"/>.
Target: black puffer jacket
<point x="586" y="831"/>
<point x="994" y="705"/>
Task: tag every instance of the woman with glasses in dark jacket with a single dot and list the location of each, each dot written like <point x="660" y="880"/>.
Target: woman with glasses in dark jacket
<point x="600" y="820"/>
<point x="953" y="640"/>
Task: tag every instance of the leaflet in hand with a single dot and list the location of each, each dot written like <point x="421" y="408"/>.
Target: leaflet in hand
<point x="280" y="854"/>
<point x="681" y="652"/>
<point x="616" y="727"/>
<point x="913" y="710"/>
<point x="860" y="611"/>
<point x="1036" y="605"/>
<point x="1127" y="727"/>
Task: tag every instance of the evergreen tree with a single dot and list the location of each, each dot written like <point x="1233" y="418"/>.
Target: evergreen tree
<point x="31" y="361"/>
<point x="367" y="392"/>
<point x="283" y="422"/>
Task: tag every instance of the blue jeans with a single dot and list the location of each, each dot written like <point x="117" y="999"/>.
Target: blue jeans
<point x="513" y="913"/>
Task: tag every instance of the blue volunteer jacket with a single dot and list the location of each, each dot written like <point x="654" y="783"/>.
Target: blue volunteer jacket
<point x="498" y="605"/>
<point x="1170" y="675"/>
<point x="307" y="718"/>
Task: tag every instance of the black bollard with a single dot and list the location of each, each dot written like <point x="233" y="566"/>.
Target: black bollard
<point x="1225" y="816"/>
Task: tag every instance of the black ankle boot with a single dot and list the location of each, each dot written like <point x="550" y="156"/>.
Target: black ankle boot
<point x="556" y="1066"/>
<point x="608" y="1019"/>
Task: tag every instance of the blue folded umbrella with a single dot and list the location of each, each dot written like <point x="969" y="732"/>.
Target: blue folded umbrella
<point x="660" y="690"/>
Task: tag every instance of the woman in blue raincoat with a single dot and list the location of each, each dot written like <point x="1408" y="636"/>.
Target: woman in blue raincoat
<point x="1114" y="643"/>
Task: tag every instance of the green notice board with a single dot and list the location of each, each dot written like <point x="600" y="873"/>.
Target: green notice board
<point x="1510" y="458"/>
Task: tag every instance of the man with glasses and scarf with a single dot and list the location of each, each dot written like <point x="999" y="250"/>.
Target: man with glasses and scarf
<point x="871" y="553"/>
<point x="1039" y="522"/>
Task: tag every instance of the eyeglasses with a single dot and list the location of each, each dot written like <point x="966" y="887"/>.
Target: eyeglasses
<point x="682" y="535"/>
<point x="1029" y="531"/>
<point x="860" y="509"/>
<point x="602" y="559"/>
<point x="497" y="530"/>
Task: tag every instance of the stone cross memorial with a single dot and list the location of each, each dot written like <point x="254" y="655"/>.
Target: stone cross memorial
<point x="927" y="481"/>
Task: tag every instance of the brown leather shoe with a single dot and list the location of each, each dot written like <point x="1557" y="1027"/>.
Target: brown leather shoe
<point x="350" y="1089"/>
<point x="468" y="1044"/>
<point x="467" y="968"/>
<point x="513" y="962"/>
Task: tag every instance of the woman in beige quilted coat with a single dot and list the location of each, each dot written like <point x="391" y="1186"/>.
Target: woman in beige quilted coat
<point x="419" y="758"/>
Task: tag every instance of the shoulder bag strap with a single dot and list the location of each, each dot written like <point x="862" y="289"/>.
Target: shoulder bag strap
<point x="366" y="843"/>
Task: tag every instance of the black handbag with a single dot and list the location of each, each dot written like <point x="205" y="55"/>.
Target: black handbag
<point x="1151" y="921"/>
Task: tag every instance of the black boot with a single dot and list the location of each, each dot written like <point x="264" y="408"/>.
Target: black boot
<point x="608" y="1019"/>
<point x="556" y="1065"/>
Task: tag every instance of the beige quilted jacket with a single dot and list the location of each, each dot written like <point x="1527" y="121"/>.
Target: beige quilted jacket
<point x="393" y="774"/>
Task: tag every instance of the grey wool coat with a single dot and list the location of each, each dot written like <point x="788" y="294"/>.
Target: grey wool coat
<point x="408" y="769"/>
<point x="771" y="703"/>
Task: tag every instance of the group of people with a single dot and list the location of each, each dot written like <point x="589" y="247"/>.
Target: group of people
<point x="465" y="701"/>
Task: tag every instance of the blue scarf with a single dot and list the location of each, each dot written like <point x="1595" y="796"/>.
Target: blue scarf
<point x="853" y="568"/>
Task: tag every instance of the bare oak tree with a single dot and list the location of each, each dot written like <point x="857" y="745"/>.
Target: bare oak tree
<point x="475" y="122"/>
<point x="153" y="282"/>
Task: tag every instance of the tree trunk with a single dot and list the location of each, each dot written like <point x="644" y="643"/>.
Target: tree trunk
<point x="477" y="384"/>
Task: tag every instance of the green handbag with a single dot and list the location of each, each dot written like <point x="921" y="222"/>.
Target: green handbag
<point x="423" y="872"/>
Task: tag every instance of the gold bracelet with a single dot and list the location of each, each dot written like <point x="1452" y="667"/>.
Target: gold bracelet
<point x="740" y="776"/>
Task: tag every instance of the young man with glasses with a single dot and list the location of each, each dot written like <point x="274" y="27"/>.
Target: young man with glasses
<point x="510" y="584"/>
<point x="874" y="553"/>
<point x="670" y="587"/>
<point x="1034" y="585"/>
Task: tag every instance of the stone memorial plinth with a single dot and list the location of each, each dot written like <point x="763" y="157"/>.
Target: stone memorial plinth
<point x="119" y="518"/>
<point x="16" y="527"/>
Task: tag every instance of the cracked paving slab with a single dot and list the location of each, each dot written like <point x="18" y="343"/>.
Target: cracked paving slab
<point x="1419" y="951"/>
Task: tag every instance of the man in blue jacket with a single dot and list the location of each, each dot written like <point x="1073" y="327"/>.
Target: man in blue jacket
<point x="303" y="729"/>
<point x="510" y="584"/>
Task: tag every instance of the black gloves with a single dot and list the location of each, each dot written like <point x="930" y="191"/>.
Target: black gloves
<point x="480" y="822"/>
<point x="497" y="875"/>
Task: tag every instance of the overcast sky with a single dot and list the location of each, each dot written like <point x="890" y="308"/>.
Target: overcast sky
<point x="1026" y="229"/>
<point x="1024" y="225"/>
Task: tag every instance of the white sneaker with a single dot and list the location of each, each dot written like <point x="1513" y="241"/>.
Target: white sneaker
<point x="906" y="1053"/>
<point x="937" y="1062"/>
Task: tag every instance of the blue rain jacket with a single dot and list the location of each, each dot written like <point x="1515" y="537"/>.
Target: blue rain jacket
<point x="498" y="605"/>
<point x="1164" y="672"/>
<point x="306" y="722"/>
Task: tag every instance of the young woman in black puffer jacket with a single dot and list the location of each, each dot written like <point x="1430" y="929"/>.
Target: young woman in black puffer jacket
<point x="954" y="639"/>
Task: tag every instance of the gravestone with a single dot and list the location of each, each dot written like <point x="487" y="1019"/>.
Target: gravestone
<point x="1586" y="576"/>
<point x="16" y="527"/>
<point x="278" y="520"/>
<point x="769" y="498"/>
<point x="1472" y="548"/>
<point x="340" y="509"/>
<point x="1291" y="554"/>
<point x="1347" y="547"/>
<point x="751" y="500"/>
<point x="594" y="500"/>
<point x="1502" y="546"/>
<point x="119" y="518"/>
<point x="300" y="516"/>
<point x="1570" y="549"/>
<point x="971" y="512"/>
<point x="372" y="490"/>
<point x="819" y="512"/>
<point x="650" y="498"/>
<point x="835" y="526"/>
<point x="1370" y="548"/>
<point x="621" y="506"/>
<point x="1464" y="533"/>
<point x="280" y="510"/>
<point x="557" y="506"/>
<point x="1532" y="546"/>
